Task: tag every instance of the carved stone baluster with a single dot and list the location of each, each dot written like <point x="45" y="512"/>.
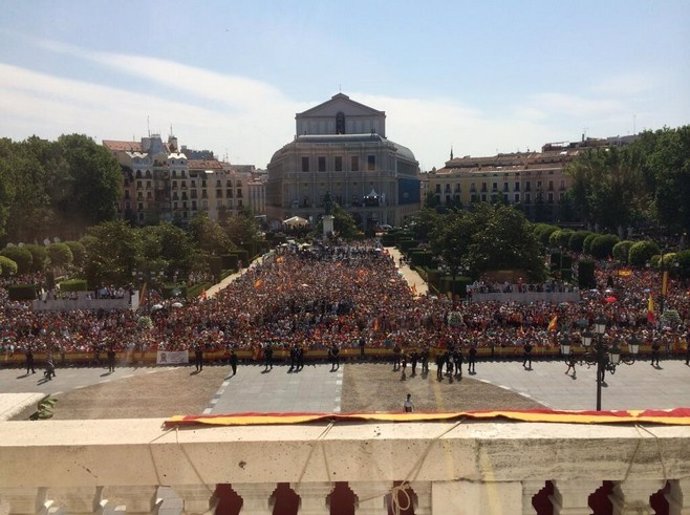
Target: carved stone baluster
<point x="257" y="498"/>
<point x="631" y="497"/>
<point x="571" y="497"/>
<point x="422" y="490"/>
<point x="371" y="496"/>
<point x="132" y="499"/>
<point x="196" y="499"/>
<point x="530" y="488"/>
<point x="313" y="497"/>
<point x="679" y="497"/>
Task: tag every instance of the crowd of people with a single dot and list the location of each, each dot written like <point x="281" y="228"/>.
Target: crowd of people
<point x="340" y="296"/>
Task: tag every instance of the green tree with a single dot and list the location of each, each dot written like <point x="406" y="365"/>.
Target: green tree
<point x="170" y="246"/>
<point x="450" y="239"/>
<point x="78" y="253"/>
<point x="113" y="250"/>
<point x="621" y="251"/>
<point x="60" y="255"/>
<point x="423" y="223"/>
<point x="602" y="246"/>
<point x="208" y="236"/>
<point x="39" y="256"/>
<point x="641" y="252"/>
<point x="504" y="241"/>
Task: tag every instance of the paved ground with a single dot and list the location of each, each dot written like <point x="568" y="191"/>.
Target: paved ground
<point x="414" y="280"/>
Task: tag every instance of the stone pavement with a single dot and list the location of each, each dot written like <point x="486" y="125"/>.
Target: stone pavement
<point x="632" y="387"/>
<point x="314" y="388"/>
<point x="414" y="280"/>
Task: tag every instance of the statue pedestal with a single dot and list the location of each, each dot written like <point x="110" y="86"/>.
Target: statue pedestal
<point x="327" y="225"/>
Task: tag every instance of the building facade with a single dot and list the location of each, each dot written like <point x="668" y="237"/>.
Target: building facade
<point x="534" y="182"/>
<point x="163" y="183"/>
<point x="341" y="149"/>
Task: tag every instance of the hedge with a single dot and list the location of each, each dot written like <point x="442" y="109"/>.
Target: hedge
<point x="406" y="245"/>
<point x="421" y="258"/>
<point x="577" y="240"/>
<point x="21" y="256"/>
<point x="587" y="242"/>
<point x="22" y="292"/>
<point x="174" y="290"/>
<point x="230" y="261"/>
<point x="74" y="285"/>
<point x="459" y="287"/>
<point x="195" y="291"/>
<point x="621" y="251"/>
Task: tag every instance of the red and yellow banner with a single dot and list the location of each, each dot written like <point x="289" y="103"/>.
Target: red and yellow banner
<point x="676" y="416"/>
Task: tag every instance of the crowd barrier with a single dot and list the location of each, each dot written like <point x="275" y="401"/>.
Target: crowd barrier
<point x="150" y="358"/>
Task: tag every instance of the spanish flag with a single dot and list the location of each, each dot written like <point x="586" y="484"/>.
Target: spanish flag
<point x="650" y="310"/>
<point x="553" y="325"/>
<point x="664" y="283"/>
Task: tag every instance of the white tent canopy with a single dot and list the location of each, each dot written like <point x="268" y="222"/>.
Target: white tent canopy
<point x="296" y="221"/>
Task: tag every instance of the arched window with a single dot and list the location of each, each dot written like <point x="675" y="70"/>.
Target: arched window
<point x="340" y="123"/>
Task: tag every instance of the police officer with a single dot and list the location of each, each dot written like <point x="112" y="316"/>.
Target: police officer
<point x="198" y="357"/>
<point x="233" y="361"/>
<point x="30" y="361"/>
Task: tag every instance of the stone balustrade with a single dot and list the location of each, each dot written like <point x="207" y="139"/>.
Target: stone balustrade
<point x="527" y="297"/>
<point x="110" y="467"/>
<point x="84" y="301"/>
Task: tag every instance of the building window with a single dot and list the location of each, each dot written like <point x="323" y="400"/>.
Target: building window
<point x="305" y="164"/>
<point x="505" y="186"/>
<point x="338" y="165"/>
<point x="550" y="185"/>
<point x="239" y="203"/>
<point x="371" y="163"/>
<point x="484" y="189"/>
<point x="228" y="193"/>
<point x="550" y="198"/>
<point x="354" y="163"/>
<point x="517" y="198"/>
<point x="340" y="123"/>
<point x="494" y="186"/>
<point x="517" y="186"/>
<point x="239" y="193"/>
<point x="528" y="198"/>
<point x="528" y="186"/>
<point x="219" y="193"/>
<point x="483" y="197"/>
<point x="438" y="188"/>
<point x="322" y="164"/>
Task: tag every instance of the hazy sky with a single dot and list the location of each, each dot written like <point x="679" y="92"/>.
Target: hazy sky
<point x="229" y="76"/>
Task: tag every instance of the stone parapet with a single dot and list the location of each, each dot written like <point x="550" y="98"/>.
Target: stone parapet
<point x="492" y="468"/>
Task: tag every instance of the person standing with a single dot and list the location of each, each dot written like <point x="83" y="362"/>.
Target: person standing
<point x="233" y="361"/>
<point x="527" y="356"/>
<point x="408" y="407"/>
<point x="439" y="365"/>
<point x="396" y="357"/>
<point x="655" y="353"/>
<point x="111" y="359"/>
<point x="458" y="358"/>
<point x="198" y="357"/>
<point x="335" y="357"/>
<point x="50" y="368"/>
<point x="571" y="361"/>
<point x="268" y="356"/>
<point x="472" y="359"/>
<point x="424" y="358"/>
<point x="30" y="361"/>
<point x="414" y="357"/>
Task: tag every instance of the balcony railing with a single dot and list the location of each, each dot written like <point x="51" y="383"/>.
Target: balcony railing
<point x="117" y="466"/>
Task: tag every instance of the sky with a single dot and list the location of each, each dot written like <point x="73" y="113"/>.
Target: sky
<point x="479" y="77"/>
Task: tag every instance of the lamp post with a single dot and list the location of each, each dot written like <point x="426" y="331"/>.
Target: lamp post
<point x="606" y="356"/>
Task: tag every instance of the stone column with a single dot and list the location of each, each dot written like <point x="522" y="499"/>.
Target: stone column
<point x="257" y="498"/>
<point x="422" y="490"/>
<point x="530" y="488"/>
<point x="371" y="496"/>
<point x="679" y="497"/>
<point x="476" y="498"/>
<point x="312" y="497"/>
<point x="571" y="496"/>
<point x="196" y="499"/>
<point x="74" y="500"/>
<point x="631" y="497"/>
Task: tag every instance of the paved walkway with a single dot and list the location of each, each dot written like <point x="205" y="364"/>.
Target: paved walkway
<point x="632" y="387"/>
<point x="314" y="388"/>
<point x="414" y="280"/>
<point x="213" y="290"/>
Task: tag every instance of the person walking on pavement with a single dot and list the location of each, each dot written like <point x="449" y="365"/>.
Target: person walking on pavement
<point x="30" y="361"/>
<point x="571" y="361"/>
<point x="50" y="368"/>
<point x="233" y="361"/>
<point x="527" y="356"/>
<point x="424" y="358"/>
<point x="439" y="366"/>
<point x="458" y="358"/>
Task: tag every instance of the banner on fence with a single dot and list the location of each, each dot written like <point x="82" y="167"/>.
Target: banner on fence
<point x="177" y="357"/>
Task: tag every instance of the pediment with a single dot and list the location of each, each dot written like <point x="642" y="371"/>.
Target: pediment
<point x="340" y="103"/>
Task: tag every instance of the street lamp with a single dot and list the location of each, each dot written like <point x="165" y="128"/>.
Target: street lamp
<point x="606" y="356"/>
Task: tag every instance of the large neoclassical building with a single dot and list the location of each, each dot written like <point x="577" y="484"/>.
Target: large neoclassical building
<point x="340" y="148"/>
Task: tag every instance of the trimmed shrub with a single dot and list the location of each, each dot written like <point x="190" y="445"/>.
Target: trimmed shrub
<point x="242" y="255"/>
<point x="683" y="264"/>
<point x="459" y="287"/>
<point x="388" y="240"/>
<point x="621" y="250"/>
<point x="602" y="246"/>
<point x="74" y="285"/>
<point x="39" y="255"/>
<point x="22" y="292"/>
<point x="196" y="290"/>
<point x="543" y="232"/>
<point x="641" y="253"/>
<point x="577" y="240"/>
<point x="78" y="253"/>
<point x="587" y="242"/>
<point x="21" y="256"/>
<point x="422" y="258"/>
<point x="7" y="267"/>
<point x="171" y="290"/>
<point x="585" y="274"/>
<point x="60" y="255"/>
